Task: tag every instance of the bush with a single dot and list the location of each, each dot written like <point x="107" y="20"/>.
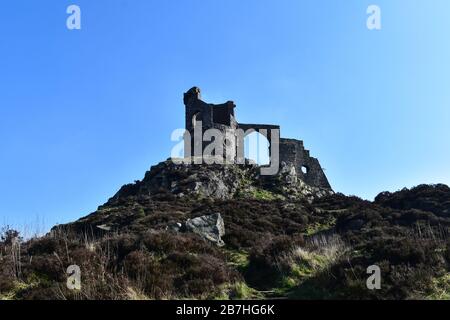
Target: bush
<point x="266" y="265"/>
<point x="8" y="235"/>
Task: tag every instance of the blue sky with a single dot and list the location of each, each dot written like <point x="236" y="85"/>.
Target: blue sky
<point x="83" y="112"/>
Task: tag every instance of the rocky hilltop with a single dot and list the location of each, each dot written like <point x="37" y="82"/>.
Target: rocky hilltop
<point x="184" y="183"/>
<point x="197" y="231"/>
<point x="219" y="182"/>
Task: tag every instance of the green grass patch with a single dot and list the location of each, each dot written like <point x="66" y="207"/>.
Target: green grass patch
<point x="15" y="291"/>
<point x="241" y="291"/>
<point x="258" y="194"/>
<point x="238" y="259"/>
<point x="316" y="227"/>
<point x="440" y="288"/>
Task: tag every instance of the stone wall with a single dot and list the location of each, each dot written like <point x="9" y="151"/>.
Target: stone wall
<point x="308" y="168"/>
<point x="222" y="117"/>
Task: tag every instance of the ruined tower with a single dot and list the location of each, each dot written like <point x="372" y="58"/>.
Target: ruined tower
<point x="221" y="117"/>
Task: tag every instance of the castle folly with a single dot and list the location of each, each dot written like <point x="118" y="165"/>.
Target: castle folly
<point x="203" y="118"/>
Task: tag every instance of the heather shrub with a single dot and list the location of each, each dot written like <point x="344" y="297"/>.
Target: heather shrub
<point x="265" y="267"/>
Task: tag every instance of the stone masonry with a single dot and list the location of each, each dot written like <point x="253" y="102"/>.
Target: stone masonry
<point x="222" y="117"/>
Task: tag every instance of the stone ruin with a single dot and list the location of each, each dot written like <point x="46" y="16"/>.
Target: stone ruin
<point x="222" y="117"/>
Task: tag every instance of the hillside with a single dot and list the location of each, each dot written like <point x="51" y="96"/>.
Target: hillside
<point x="279" y="238"/>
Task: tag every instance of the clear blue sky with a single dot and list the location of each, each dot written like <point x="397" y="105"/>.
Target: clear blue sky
<point x="84" y="112"/>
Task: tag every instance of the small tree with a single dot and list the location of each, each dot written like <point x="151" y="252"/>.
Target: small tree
<point x="8" y="236"/>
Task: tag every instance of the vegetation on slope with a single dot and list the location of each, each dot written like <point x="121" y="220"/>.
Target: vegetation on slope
<point x="274" y="248"/>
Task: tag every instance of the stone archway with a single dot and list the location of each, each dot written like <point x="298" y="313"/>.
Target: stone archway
<point x="257" y="148"/>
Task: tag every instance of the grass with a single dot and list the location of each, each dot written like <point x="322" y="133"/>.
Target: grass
<point x="140" y="213"/>
<point x="19" y="287"/>
<point x="135" y="295"/>
<point x="440" y="288"/>
<point x="258" y="194"/>
<point x="319" y="227"/>
<point x="238" y="290"/>
<point x="241" y="291"/>
<point x="12" y="293"/>
<point x="305" y="263"/>
<point x="238" y="259"/>
<point x="274" y="249"/>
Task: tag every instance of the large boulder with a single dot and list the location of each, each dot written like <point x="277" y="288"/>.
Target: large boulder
<point x="211" y="227"/>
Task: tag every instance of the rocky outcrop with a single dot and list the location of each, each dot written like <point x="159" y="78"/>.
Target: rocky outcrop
<point x="171" y="189"/>
<point x="210" y="227"/>
<point x="218" y="182"/>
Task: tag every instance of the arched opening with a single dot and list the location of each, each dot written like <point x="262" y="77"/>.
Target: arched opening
<point x="196" y="118"/>
<point x="305" y="169"/>
<point x="256" y="148"/>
